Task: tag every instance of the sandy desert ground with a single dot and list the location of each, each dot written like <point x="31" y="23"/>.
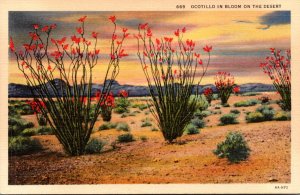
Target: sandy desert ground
<point x="189" y="160"/>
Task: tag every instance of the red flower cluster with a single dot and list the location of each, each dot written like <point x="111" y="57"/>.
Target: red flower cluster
<point x="109" y="100"/>
<point x="236" y="89"/>
<point x="224" y="80"/>
<point x="36" y="106"/>
<point x="207" y="91"/>
<point x="123" y="93"/>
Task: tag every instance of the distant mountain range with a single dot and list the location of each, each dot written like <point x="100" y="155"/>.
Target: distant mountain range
<point x="19" y="90"/>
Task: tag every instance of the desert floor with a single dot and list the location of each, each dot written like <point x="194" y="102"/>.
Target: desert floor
<point x="189" y="160"/>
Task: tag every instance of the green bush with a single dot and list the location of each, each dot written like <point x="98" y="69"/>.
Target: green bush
<point x="122" y="126"/>
<point x="202" y="114"/>
<point x="124" y="115"/>
<point x="128" y="137"/>
<point x="154" y="129"/>
<point x="107" y="125"/>
<point x="251" y="94"/>
<point x="282" y="116"/>
<point x="20" y="145"/>
<point x="16" y="126"/>
<point x="143" y="138"/>
<point x="191" y="129"/>
<point x="264" y="107"/>
<point x="45" y="130"/>
<point x="94" y="146"/>
<point x="235" y="111"/>
<point x="251" y="102"/>
<point x="26" y="110"/>
<point x="202" y="103"/>
<point x="253" y="117"/>
<point x="142" y="106"/>
<point x="199" y="123"/>
<point x="146" y="123"/>
<point x="228" y="119"/>
<point x="29" y="132"/>
<point x="234" y="148"/>
<point x="120" y="110"/>
<point x="267" y="111"/>
<point x="42" y="121"/>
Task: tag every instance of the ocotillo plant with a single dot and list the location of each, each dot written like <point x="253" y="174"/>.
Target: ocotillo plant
<point x="208" y="93"/>
<point x="68" y="103"/>
<point x="170" y="72"/>
<point x="224" y="83"/>
<point x="278" y="68"/>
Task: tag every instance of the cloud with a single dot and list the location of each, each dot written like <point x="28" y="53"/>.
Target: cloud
<point x="243" y="21"/>
<point x="275" y="18"/>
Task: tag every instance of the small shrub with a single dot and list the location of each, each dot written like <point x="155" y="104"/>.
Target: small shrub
<point x="45" y="131"/>
<point x="136" y="112"/>
<point x="146" y="123"/>
<point x="267" y="112"/>
<point x="42" y="121"/>
<point x="147" y="112"/>
<point x="154" y="129"/>
<point x="226" y="105"/>
<point x="94" y="146"/>
<point x="142" y="106"/>
<point x="282" y="116"/>
<point x="262" y="108"/>
<point x="265" y="99"/>
<point x="28" y="132"/>
<point x="143" y="138"/>
<point x="202" y="103"/>
<point x="26" y="110"/>
<point x="202" y="114"/>
<point x="124" y="115"/>
<point x="228" y="119"/>
<point x="253" y="117"/>
<point x="128" y="137"/>
<point x="251" y="94"/>
<point x="120" y="110"/>
<point x="106" y="126"/>
<point x="235" y="111"/>
<point x="234" y="148"/>
<point x="16" y="126"/>
<point x="191" y="129"/>
<point x="20" y="145"/>
<point x="217" y="112"/>
<point x="199" y="123"/>
<point x="251" y="102"/>
<point x="122" y="126"/>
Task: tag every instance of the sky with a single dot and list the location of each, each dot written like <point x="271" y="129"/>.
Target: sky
<point x="240" y="39"/>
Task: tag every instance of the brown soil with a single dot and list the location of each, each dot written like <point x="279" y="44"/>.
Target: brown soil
<point x="189" y="160"/>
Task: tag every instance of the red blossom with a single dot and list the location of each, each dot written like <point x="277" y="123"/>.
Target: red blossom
<point x="56" y="54"/>
<point x="122" y="54"/>
<point x="35" y="26"/>
<point x="82" y="19"/>
<point x="236" y="89"/>
<point x="112" y="19"/>
<point x="75" y="39"/>
<point x="183" y="30"/>
<point x="94" y="34"/>
<point x="11" y="45"/>
<point x="41" y="45"/>
<point x="123" y="93"/>
<point x="65" y="47"/>
<point x="79" y="30"/>
<point x="124" y="30"/>
<point x="207" y="48"/>
<point x="197" y="55"/>
<point x="149" y="32"/>
<point x="97" y="51"/>
<point x="176" y="32"/>
<point x="114" y="37"/>
<point x="34" y="36"/>
<point x="61" y="42"/>
<point x="53" y="26"/>
<point x="45" y="29"/>
<point x="157" y="41"/>
<point x="143" y="26"/>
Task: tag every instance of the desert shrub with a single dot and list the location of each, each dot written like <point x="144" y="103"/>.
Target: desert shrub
<point x="94" y="146"/>
<point x="123" y="126"/>
<point x="215" y="96"/>
<point x="147" y="112"/>
<point x="16" y="126"/>
<point x="202" y="114"/>
<point x="120" y="110"/>
<point x="224" y="83"/>
<point x="191" y="129"/>
<point x="26" y="110"/>
<point x="234" y="148"/>
<point x="199" y="123"/>
<point x="124" y="115"/>
<point x="128" y="137"/>
<point x="143" y="138"/>
<point x="267" y="111"/>
<point x="42" y="121"/>
<point x="227" y="119"/>
<point x="265" y="99"/>
<point x="251" y="94"/>
<point x="142" y="106"/>
<point x="235" y="111"/>
<point x="251" y="102"/>
<point x="20" y="145"/>
<point x="146" y="123"/>
<point x="136" y="112"/>
<point x="154" y="129"/>
<point x="107" y="125"/>
<point x="12" y="111"/>
<point x="217" y="112"/>
<point x="226" y="105"/>
<point x="282" y="116"/>
<point x="29" y="132"/>
<point x="45" y="131"/>
<point x="253" y="117"/>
